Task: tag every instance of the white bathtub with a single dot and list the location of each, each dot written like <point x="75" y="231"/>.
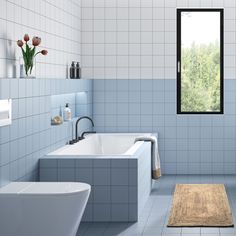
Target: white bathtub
<point x="102" y="145"/>
<point x="118" y="170"/>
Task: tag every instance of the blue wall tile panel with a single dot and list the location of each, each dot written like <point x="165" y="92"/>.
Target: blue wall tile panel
<point x="30" y="136"/>
<point x="189" y="144"/>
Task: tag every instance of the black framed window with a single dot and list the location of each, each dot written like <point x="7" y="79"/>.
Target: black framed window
<point x="200" y="35"/>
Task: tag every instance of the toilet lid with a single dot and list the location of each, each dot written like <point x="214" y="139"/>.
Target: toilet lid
<point x="44" y="188"/>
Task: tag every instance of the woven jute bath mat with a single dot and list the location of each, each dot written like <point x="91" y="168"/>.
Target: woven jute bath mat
<point x="200" y="205"/>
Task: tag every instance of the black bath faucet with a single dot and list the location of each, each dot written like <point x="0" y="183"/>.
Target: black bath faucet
<point x="76" y="128"/>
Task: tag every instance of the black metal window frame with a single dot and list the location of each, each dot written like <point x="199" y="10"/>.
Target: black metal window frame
<point x="178" y="65"/>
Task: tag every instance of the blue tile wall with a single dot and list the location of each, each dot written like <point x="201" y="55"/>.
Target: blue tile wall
<point x="78" y="103"/>
<point x="189" y="144"/>
<point x="31" y="136"/>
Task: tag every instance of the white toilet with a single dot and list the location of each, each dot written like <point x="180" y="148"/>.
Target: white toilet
<point x="42" y="208"/>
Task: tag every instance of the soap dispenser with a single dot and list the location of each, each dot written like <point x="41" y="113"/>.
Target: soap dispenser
<point x="67" y="113"/>
<point x="78" y="71"/>
<point x="72" y="70"/>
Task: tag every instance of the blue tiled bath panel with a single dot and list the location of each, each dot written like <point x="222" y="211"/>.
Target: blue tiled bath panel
<point x="120" y="187"/>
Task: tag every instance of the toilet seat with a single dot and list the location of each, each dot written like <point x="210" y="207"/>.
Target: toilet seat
<point x="42" y="208"/>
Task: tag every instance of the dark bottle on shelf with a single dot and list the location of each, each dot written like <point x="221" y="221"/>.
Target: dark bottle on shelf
<point x="78" y="71"/>
<point x="72" y="70"/>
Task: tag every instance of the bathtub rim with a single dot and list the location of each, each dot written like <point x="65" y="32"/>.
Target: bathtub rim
<point x="131" y="153"/>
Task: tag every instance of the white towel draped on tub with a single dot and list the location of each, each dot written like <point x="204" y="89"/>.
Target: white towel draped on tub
<point x="156" y="166"/>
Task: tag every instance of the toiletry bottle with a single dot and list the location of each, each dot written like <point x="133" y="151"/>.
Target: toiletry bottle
<point x="78" y="71"/>
<point x="72" y="70"/>
<point x="67" y="113"/>
<point x="22" y="69"/>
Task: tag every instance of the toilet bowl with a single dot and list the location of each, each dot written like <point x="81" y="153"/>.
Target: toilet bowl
<point x="42" y="208"/>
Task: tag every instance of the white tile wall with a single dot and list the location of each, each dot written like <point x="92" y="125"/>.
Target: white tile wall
<point x="120" y="39"/>
<point x="136" y="39"/>
<point x="56" y="22"/>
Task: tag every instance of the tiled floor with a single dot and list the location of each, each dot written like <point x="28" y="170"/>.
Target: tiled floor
<point x="154" y="217"/>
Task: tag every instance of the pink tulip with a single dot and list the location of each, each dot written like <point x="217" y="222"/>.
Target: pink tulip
<point x="20" y="43"/>
<point x="26" y="38"/>
<point x="36" y="41"/>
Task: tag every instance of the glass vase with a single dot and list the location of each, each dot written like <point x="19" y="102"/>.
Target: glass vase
<point x="31" y="74"/>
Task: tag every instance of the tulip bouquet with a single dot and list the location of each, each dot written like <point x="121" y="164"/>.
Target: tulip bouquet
<point x="29" y="53"/>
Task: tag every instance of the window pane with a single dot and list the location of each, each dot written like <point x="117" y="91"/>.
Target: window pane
<point x="200" y="61"/>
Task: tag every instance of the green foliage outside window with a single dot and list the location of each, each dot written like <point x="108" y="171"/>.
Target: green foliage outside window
<point x="200" y="78"/>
